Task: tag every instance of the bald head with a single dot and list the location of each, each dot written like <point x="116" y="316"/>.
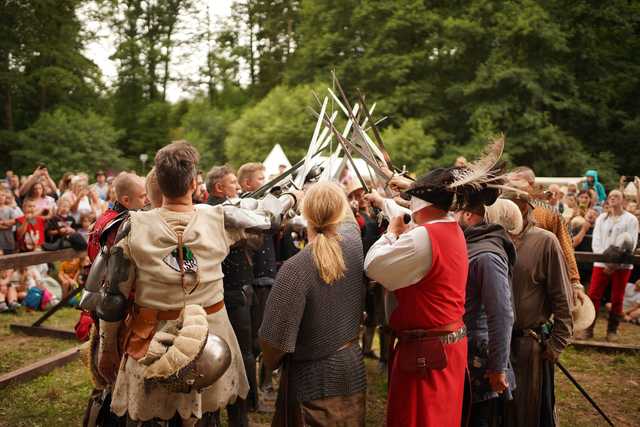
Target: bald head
<point x="130" y="190"/>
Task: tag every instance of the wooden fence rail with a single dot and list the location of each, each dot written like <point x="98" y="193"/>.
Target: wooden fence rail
<point x="25" y="259"/>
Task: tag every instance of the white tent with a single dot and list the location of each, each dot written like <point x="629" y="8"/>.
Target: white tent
<point x="274" y="160"/>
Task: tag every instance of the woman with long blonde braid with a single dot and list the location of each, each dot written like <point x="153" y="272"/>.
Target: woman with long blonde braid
<point x="312" y="317"/>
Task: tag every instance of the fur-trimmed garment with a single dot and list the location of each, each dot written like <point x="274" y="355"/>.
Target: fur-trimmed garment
<point x="150" y="245"/>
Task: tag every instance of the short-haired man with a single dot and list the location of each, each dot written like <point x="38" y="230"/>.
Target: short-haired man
<point x="222" y="185"/>
<point x="150" y="251"/>
<point x="251" y="176"/>
<point x="616" y="230"/>
<point x="488" y="312"/>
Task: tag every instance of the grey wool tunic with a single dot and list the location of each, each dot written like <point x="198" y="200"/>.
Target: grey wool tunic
<point x="312" y="320"/>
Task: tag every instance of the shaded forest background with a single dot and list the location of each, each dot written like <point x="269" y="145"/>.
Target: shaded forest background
<point x="559" y="78"/>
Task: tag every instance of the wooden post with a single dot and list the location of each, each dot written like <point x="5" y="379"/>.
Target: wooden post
<point x="39" y="368"/>
<point x="25" y="259"/>
<point x="58" y="306"/>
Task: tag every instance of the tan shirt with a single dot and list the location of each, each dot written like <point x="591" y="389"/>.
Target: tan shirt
<point x="152" y="246"/>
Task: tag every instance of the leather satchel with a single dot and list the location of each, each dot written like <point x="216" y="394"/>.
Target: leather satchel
<point x="418" y="355"/>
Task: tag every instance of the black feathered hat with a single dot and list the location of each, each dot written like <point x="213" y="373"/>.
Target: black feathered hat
<point x="434" y="188"/>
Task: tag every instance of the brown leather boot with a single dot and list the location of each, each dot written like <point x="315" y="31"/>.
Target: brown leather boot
<point x="612" y="326"/>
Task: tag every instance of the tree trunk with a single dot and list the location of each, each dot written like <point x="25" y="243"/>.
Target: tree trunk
<point x="252" y="60"/>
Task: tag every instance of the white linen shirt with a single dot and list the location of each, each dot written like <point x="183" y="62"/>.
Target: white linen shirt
<point x="399" y="262"/>
<point x="608" y="231"/>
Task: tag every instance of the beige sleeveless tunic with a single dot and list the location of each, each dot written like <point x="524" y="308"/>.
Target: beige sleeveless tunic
<point x="149" y="245"/>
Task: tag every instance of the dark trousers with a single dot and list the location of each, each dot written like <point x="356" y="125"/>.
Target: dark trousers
<point x="487" y="413"/>
<point x="261" y="294"/>
<point x="240" y="318"/>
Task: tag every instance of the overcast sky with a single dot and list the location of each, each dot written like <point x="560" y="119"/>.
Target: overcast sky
<point x="184" y="63"/>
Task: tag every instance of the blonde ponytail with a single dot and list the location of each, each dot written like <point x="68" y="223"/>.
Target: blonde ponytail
<point x="324" y="208"/>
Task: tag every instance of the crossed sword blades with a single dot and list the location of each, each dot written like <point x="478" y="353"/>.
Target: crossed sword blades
<point x="352" y="142"/>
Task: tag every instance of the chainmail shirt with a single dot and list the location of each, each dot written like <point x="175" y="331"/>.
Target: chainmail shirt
<point x="312" y="320"/>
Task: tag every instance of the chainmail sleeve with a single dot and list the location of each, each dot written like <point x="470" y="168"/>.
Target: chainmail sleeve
<point x="285" y="309"/>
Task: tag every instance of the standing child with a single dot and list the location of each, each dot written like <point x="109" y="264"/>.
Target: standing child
<point x="30" y="232"/>
<point x="7" y="221"/>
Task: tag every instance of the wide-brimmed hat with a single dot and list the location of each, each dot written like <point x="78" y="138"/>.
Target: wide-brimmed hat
<point x="518" y="189"/>
<point x="583" y="314"/>
<point x="433" y="188"/>
<point x="352" y="186"/>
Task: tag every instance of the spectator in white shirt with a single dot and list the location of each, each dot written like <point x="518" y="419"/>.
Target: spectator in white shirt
<point x="615" y="233"/>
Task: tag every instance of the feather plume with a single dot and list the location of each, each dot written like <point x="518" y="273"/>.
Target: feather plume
<point x="507" y="188"/>
<point x="483" y="170"/>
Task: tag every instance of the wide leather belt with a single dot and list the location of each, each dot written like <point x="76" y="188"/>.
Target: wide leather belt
<point x="142" y="322"/>
<point x="174" y="314"/>
<point x="446" y="337"/>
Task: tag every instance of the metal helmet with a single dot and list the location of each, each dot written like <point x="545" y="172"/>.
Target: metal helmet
<point x="212" y="363"/>
<point x="184" y="356"/>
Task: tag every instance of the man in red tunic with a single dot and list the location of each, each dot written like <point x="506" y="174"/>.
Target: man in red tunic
<point x="426" y="268"/>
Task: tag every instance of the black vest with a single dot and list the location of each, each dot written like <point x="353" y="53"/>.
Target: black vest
<point x="264" y="262"/>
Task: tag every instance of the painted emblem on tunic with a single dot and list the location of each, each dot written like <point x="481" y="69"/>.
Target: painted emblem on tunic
<point x="190" y="261"/>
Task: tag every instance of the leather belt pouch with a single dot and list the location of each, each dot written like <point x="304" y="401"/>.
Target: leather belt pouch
<point x="142" y="326"/>
<point x="417" y="356"/>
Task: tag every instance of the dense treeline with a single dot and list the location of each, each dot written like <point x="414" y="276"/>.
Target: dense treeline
<point x="560" y="78"/>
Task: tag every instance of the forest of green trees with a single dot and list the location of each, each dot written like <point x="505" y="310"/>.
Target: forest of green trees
<point x="559" y="78"/>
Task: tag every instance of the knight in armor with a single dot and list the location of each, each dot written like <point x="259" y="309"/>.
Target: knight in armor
<point x="239" y="298"/>
<point x="130" y="196"/>
<point x="166" y="344"/>
<point x="251" y="176"/>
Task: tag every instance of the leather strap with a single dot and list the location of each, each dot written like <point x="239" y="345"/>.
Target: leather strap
<point x="174" y="314"/>
<point x="434" y="332"/>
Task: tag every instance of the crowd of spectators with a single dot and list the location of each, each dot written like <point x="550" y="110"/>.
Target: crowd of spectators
<point x="597" y="221"/>
<point x="36" y="213"/>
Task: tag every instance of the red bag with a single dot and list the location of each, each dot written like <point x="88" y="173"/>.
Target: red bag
<point x="417" y="355"/>
<point x="83" y="327"/>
